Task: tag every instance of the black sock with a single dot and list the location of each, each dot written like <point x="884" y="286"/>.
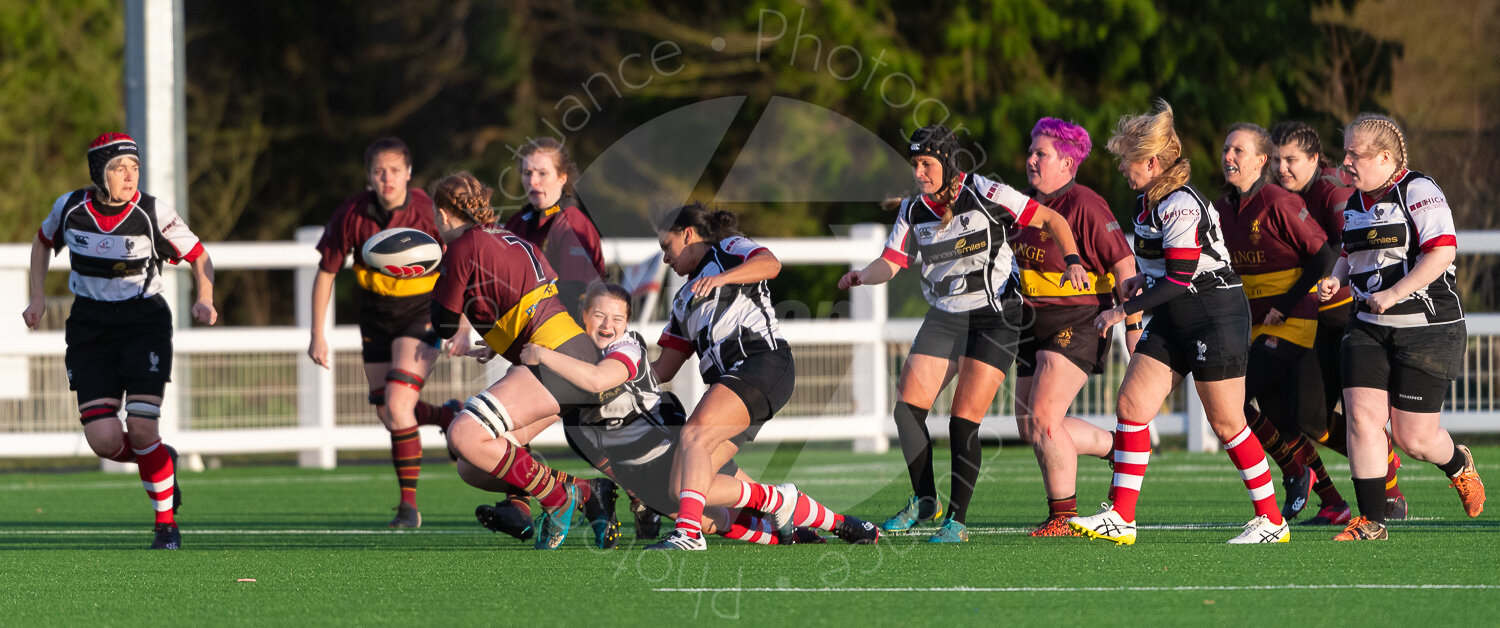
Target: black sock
<point x="916" y="444"/>
<point x="1370" y="494"/>
<point x="1456" y="464"/>
<point x="963" y="435"/>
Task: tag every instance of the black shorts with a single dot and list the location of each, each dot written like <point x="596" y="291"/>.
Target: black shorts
<point x="984" y="335"/>
<point x="1414" y="365"/>
<point x="384" y="319"/>
<point x="118" y="347"/>
<point x="1205" y="333"/>
<point x="1287" y="392"/>
<point x="640" y="454"/>
<point x="567" y="395"/>
<point x="1067" y="330"/>
<point x="764" y="382"/>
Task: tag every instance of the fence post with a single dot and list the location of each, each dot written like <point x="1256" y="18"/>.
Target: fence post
<point x="1200" y="437"/>
<point x="870" y="372"/>
<point x="315" y="385"/>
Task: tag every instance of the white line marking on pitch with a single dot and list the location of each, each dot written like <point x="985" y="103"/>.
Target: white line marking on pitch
<point x="245" y="532"/>
<point x="1278" y="587"/>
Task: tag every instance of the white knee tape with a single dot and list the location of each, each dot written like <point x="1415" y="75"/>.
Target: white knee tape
<point x="143" y="410"/>
<point x="490" y="413"/>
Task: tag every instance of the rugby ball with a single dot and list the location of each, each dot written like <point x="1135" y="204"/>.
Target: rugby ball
<point x="402" y="252"/>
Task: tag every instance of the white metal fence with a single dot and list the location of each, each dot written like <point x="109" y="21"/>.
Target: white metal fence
<point x="253" y="389"/>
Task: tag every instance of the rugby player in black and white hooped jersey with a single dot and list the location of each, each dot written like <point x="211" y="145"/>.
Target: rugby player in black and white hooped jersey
<point x="1300" y="167"/>
<point x="1200" y="324"/>
<point x="1406" y="341"/>
<point x="724" y="316"/>
<point x="956" y="228"/>
<point x="1060" y="350"/>
<point x="119" y="333"/>
<point x="399" y="345"/>
<point x="633" y="437"/>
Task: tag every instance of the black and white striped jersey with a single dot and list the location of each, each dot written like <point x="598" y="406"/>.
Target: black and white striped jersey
<point x="636" y="422"/>
<point x="116" y="253"/>
<point x="968" y="264"/>
<point x="734" y="322"/>
<point x="1183" y="226"/>
<point x="1385" y="235"/>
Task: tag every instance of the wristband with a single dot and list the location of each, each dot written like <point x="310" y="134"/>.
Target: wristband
<point x="1072" y="259"/>
<point x="1136" y="326"/>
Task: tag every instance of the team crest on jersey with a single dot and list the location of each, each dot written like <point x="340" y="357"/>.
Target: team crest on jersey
<point x="1044" y="235"/>
<point x="1065" y="337"/>
<point x="104" y="246"/>
<point x="1255" y="231"/>
<point x="80" y="239"/>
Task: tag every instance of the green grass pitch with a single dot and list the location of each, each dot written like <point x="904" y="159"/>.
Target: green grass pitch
<point x="315" y="543"/>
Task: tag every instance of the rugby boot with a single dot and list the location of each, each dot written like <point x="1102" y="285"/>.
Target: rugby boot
<point x="856" y="531"/>
<point x="1332" y="516"/>
<point x="553" y="524"/>
<point x="950" y="532"/>
<point x="679" y="540"/>
<point x="1298" y="492"/>
<point x="599" y="509"/>
<point x="1055" y="525"/>
<point x="1396" y="509"/>
<point x="407" y="517"/>
<point x="802" y="535"/>
<point x="1261" y="530"/>
<point x="505" y="517"/>
<point x="1466" y="482"/>
<point x="647" y="521"/>
<point x="1107" y="524"/>
<point x="167" y="536"/>
<point x="1362" y="529"/>
<point x="917" y="510"/>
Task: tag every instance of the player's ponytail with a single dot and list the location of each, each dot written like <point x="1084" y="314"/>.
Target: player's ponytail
<point x="711" y="225"/>
<point x="1139" y="138"/>
<point x="462" y="194"/>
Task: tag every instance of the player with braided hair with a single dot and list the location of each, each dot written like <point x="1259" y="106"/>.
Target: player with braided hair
<point x="1406" y="340"/>
<point x="399" y="346"/>
<point x="1200" y="324"/>
<point x="956" y="227"/>
<point x="119" y="332"/>
<point x="1301" y="168"/>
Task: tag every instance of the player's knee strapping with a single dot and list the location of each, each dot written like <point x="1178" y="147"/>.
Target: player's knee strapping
<point x="377" y="397"/>
<point x="142" y="410"/>
<point x="95" y="413"/>
<point x="405" y="378"/>
<point x="490" y="413"/>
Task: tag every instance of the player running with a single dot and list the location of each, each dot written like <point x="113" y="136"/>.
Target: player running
<point x="1061" y="350"/>
<point x="956" y="227"/>
<point x="119" y="333"/>
<point x="1300" y="167"/>
<point x="1280" y="252"/>
<point x="724" y="315"/>
<point x="1407" y="338"/>
<point x="399" y="346"/>
<point x="1200" y="324"/>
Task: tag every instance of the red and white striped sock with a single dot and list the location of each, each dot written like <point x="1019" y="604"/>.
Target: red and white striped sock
<point x="751" y="529"/>
<point x="811" y="514"/>
<point x="762" y="497"/>
<point x="1247" y="455"/>
<point x="690" y="513"/>
<point x="1132" y="453"/>
<point x="157" y="475"/>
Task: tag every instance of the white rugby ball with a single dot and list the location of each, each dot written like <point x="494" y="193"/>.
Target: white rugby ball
<point x="402" y="252"/>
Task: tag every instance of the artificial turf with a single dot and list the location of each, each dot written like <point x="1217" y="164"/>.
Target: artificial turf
<point x="288" y="546"/>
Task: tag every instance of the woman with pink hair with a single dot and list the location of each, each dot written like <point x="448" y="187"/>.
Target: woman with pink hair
<point x="1061" y="349"/>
